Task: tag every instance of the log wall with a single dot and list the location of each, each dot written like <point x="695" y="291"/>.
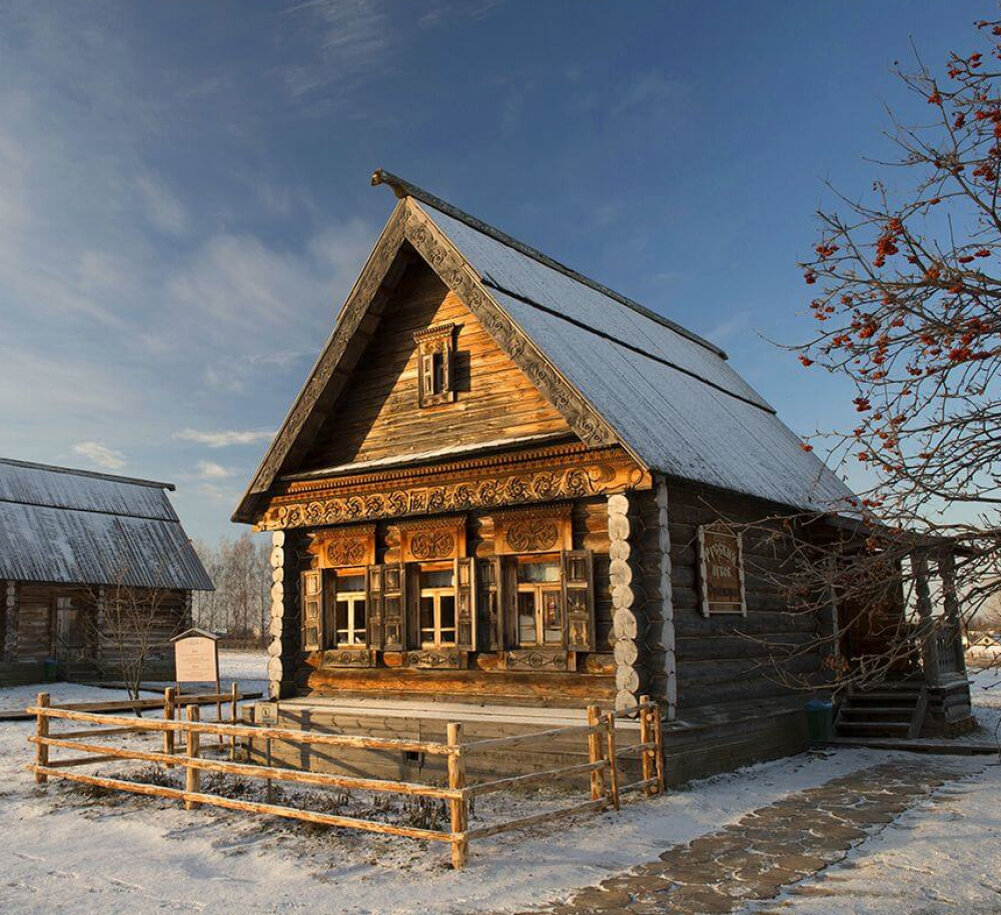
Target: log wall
<point x="30" y="633"/>
<point x="723" y="661"/>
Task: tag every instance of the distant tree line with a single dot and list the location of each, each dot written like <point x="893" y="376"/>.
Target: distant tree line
<point x="239" y="608"/>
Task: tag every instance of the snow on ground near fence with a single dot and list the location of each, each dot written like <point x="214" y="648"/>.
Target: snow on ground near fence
<point x="67" y="850"/>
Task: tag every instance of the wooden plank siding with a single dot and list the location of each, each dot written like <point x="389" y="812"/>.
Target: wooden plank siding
<point x="378" y="416"/>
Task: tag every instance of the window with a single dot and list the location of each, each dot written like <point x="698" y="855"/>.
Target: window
<point x="349" y="610"/>
<point x="435" y="364"/>
<point x="540" y="602"/>
<point x="437" y="606"/>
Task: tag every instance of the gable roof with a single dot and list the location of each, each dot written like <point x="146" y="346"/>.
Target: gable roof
<point x="618" y="371"/>
<point x="71" y="526"/>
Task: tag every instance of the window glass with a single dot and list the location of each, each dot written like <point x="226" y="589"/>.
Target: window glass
<point x="538" y="571"/>
<point x="437" y="579"/>
<point x="526" y="618"/>
<point x="350" y="582"/>
<point x="427" y="618"/>
<point x="447" y="617"/>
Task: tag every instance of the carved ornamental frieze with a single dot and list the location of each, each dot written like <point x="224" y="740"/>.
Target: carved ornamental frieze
<point x="557" y="475"/>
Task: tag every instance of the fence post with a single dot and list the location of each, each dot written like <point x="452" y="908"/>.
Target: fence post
<point x="169" y="706"/>
<point x="613" y="770"/>
<point x="658" y="743"/>
<point x="459" y="807"/>
<point x="595" y="754"/>
<point x="235" y="692"/>
<point x="41" y="730"/>
<point x="192" y="776"/>
<point x="646" y="736"/>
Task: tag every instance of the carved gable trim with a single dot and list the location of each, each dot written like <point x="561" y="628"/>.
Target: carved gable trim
<point x="434" y="246"/>
<point x="409" y="223"/>
<point x="349" y="322"/>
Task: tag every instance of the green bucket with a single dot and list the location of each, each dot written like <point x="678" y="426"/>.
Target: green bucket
<point x="819" y="720"/>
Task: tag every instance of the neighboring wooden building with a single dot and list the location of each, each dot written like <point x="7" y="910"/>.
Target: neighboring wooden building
<point x="503" y="493"/>
<point x="92" y="567"/>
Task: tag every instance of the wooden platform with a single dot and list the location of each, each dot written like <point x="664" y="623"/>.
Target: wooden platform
<point x="692" y="749"/>
<point x="950" y="748"/>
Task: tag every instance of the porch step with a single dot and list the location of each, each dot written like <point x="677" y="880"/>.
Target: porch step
<point x="873" y="728"/>
<point x="890" y="709"/>
<point x="897" y="698"/>
<point x="898" y="713"/>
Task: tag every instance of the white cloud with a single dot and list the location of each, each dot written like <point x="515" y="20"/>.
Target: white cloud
<point x="210" y="470"/>
<point x="100" y="455"/>
<point x="223" y="439"/>
<point x="162" y="208"/>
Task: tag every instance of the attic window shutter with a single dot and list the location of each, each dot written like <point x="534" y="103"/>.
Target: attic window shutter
<point x="435" y="352"/>
<point x="427" y="376"/>
<point x="312" y="610"/>
<point x="578" y="598"/>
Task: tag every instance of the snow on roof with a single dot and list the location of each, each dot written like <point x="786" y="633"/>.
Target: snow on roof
<point x="672" y="398"/>
<point x="63" y="525"/>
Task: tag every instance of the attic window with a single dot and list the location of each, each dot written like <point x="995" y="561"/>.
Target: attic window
<point x="436" y="364"/>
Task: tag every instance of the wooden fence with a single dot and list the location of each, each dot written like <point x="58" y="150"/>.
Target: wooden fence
<point x="603" y="766"/>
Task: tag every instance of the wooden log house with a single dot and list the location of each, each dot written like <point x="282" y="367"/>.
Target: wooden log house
<point x="93" y="568"/>
<point x="504" y="493"/>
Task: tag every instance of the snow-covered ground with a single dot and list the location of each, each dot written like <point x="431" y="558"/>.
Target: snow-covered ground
<point x="70" y="850"/>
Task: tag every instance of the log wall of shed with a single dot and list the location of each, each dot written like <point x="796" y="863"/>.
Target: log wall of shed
<point x="30" y="634"/>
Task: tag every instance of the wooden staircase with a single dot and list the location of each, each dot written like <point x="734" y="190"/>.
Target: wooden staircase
<point x="894" y="708"/>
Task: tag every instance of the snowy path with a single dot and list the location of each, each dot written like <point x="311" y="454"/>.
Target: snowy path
<point x="76" y="853"/>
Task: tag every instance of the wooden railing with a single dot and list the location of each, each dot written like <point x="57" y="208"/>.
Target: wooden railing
<point x="603" y="765"/>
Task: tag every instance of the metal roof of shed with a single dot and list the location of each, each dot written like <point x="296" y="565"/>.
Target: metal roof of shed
<point x="77" y="527"/>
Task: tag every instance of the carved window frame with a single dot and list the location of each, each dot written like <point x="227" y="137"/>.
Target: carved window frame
<point x="721" y="608"/>
<point x="436" y="364"/>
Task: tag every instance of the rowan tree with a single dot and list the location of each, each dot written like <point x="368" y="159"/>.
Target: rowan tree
<point x="906" y="295"/>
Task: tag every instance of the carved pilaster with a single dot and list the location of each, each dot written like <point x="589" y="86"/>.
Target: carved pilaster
<point x="10" y="622"/>
<point x="625" y="625"/>
<point x="283" y="628"/>
<point x="667" y="636"/>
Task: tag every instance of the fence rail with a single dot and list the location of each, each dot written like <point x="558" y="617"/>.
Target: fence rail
<point x="603" y="765"/>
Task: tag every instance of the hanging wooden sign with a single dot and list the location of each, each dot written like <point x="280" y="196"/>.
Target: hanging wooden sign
<point x="721" y="570"/>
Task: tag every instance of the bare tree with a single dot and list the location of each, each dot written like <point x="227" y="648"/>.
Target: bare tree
<point x="133" y="626"/>
<point x="908" y="309"/>
<point x="240" y="605"/>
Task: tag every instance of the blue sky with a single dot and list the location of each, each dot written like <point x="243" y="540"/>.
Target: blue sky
<point x="184" y="195"/>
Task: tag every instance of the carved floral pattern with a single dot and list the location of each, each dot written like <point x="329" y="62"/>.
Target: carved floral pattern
<point x="432" y="544"/>
<point x="347" y="552"/>
<point x="532" y="535"/>
<point x="516" y="488"/>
